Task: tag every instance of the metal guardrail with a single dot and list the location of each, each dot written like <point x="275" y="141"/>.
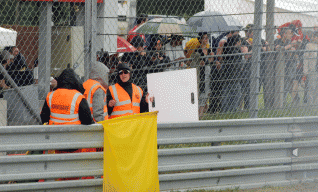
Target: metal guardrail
<point x="248" y="153"/>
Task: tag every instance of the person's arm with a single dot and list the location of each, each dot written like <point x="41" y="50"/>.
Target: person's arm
<point x="98" y="105"/>
<point x="45" y="113"/>
<point x="143" y="104"/>
<point x="220" y="49"/>
<point x="3" y="84"/>
<point x="109" y="98"/>
<point x="84" y="113"/>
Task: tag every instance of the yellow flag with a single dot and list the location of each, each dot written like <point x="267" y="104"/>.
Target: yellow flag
<point x="130" y="153"/>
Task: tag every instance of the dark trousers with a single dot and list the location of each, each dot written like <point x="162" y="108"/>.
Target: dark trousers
<point x="245" y="84"/>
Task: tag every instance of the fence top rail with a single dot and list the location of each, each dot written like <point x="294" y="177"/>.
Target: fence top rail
<point x="50" y="128"/>
<point x="241" y="122"/>
<point x="207" y="123"/>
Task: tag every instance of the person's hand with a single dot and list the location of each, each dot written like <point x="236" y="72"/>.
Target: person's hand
<point x="150" y="98"/>
<point x="218" y="65"/>
<point x="111" y="103"/>
<point x="142" y="53"/>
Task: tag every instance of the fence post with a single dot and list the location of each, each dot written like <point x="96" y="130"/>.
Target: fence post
<point x="279" y="80"/>
<point x="87" y="38"/>
<point x="94" y="34"/>
<point x="256" y="52"/>
<point x="270" y="28"/>
<point x="107" y="21"/>
<point x="45" y="31"/>
<point x="131" y="14"/>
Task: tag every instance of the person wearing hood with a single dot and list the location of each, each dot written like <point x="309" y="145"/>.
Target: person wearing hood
<point x="66" y="105"/>
<point x="125" y="98"/>
<point x="95" y="91"/>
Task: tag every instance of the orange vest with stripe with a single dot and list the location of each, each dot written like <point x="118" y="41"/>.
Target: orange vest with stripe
<point x="64" y="106"/>
<point x="90" y="87"/>
<point x="124" y="104"/>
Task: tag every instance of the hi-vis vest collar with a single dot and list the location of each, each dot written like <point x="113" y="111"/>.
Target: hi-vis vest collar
<point x="90" y="97"/>
<point x="65" y="118"/>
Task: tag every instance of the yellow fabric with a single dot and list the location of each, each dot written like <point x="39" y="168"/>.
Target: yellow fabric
<point x="130" y="153"/>
<point x="192" y="45"/>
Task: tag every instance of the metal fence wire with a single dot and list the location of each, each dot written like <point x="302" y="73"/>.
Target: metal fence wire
<point x="254" y="58"/>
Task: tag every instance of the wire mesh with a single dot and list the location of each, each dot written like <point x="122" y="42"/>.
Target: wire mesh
<point x="52" y="34"/>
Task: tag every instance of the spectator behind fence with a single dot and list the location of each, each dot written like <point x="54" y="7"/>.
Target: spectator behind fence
<point x="193" y="44"/>
<point x="174" y="51"/>
<point x="156" y="52"/>
<point x="125" y="98"/>
<point x="203" y="51"/>
<point x="231" y="73"/>
<point x="199" y="61"/>
<point x="222" y="41"/>
<point x="6" y="58"/>
<point x="291" y="62"/>
<point x="18" y="69"/>
<point x="247" y="47"/>
<point x="139" y="20"/>
<point x="59" y="109"/>
<point x="138" y="61"/>
<point x="311" y="70"/>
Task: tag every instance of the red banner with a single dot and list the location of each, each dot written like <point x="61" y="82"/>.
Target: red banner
<point x="74" y="1"/>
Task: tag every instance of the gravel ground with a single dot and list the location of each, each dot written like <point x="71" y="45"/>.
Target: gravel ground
<point x="304" y="187"/>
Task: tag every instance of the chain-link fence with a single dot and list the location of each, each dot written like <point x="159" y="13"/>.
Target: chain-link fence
<point x="254" y="58"/>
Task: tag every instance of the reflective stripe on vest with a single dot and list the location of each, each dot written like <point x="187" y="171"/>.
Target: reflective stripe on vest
<point x="140" y="93"/>
<point x="127" y="105"/>
<point x="121" y="112"/>
<point x="89" y="97"/>
<point x="91" y="86"/>
<point x="65" y="118"/>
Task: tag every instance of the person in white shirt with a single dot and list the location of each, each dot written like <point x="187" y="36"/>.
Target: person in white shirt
<point x="174" y="51"/>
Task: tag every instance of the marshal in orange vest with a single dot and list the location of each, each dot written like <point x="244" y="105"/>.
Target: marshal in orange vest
<point x="90" y="87"/>
<point x="64" y="106"/>
<point x="124" y="104"/>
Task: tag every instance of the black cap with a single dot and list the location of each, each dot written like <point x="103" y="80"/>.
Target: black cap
<point x="248" y="27"/>
<point x="137" y="41"/>
<point x="123" y="66"/>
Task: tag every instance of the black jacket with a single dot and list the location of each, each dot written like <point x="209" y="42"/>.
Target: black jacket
<point x="67" y="80"/>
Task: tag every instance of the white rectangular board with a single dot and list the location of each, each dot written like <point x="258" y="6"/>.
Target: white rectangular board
<point x="175" y="94"/>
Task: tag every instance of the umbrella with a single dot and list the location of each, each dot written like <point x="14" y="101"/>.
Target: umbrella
<point x="124" y="46"/>
<point x="298" y="34"/>
<point x="210" y="21"/>
<point x="164" y="26"/>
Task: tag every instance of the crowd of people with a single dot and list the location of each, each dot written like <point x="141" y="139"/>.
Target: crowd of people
<point x="223" y="64"/>
<point x="226" y="62"/>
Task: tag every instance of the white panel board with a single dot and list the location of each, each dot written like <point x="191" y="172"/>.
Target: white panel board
<point x="8" y="37"/>
<point x="176" y="95"/>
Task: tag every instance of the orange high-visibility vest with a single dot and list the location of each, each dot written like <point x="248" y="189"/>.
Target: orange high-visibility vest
<point x="90" y="87"/>
<point x="64" y="106"/>
<point x="124" y="105"/>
